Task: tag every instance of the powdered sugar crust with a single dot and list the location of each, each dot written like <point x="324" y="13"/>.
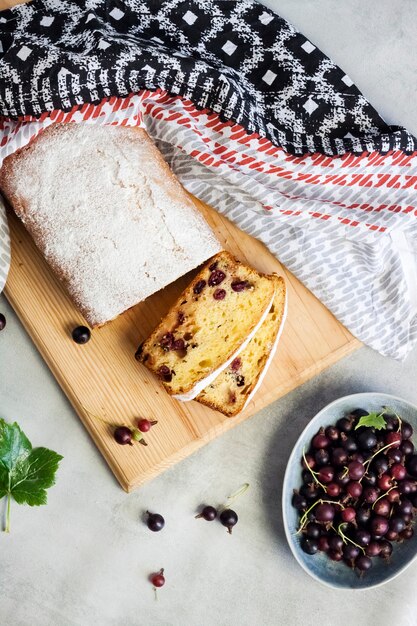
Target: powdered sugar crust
<point x="108" y="214"/>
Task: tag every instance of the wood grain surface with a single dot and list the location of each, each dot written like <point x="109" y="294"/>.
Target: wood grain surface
<point x="104" y="382"/>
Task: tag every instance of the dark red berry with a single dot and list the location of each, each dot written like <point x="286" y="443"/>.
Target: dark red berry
<point x="236" y="364"/>
<point x="324" y="512"/>
<point x="181" y="317"/>
<point x="356" y="470"/>
<point x="81" y="334"/>
<point x="398" y="471"/>
<point x="320" y="441"/>
<point x="385" y="482"/>
<point x="209" y="513"/>
<point x="216" y="277"/>
<point x="167" y="341"/>
<point x="407" y="447"/>
<point x="179" y="344"/>
<point x="240" y="285"/>
<point x="213" y="266"/>
<point x="158" y="579"/>
<point x="219" y="294"/>
<point x="155" y="522"/>
<point x="382" y="507"/>
<point x="326" y="474"/>
<point x="354" y="488"/>
<point x="333" y="490"/>
<point x="2" y="321"/>
<point x="144" y="425"/>
<point x="406" y="430"/>
<point x="394" y="439"/>
<point x="123" y="435"/>
<point x="199" y="286"/>
<point x="165" y="373"/>
<point x="348" y="514"/>
<point x="229" y="519"/>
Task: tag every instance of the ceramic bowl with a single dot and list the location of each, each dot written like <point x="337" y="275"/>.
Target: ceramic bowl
<point x="319" y="566"/>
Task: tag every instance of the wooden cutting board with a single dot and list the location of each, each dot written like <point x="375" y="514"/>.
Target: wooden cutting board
<point x="103" y="380"/>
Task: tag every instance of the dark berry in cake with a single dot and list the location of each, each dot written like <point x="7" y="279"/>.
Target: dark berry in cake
<point x="199" y="286"/>
<point x="165" y="373"/>
<point x="167" y="342"/>
<point x="240" y="285"/>
<point x="139" y="351"/>
<point x="219" y="294"/>
<point x="179" y="344"/>
<point x="236" y="364"/>
<point x="81" y="334"/>
<point x="216" y="277"/>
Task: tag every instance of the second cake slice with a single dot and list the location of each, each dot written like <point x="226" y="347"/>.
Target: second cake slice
<point x="212" y="321"/>
<point x="234" y="387"/>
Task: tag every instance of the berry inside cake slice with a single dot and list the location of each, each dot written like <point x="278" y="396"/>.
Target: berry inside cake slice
<point x="214" y="318"/>
<point x="231" y="391"/>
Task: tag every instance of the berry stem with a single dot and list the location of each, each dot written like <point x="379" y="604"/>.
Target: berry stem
<point x="242" y="489"/>
<point x="384" y="494"/>
<point x="400" y="422"/>
<point x="346" y="538"/>
<point x="101" y="419"/>
<point x="368" y="461"/>
<point x="313" y="473"/>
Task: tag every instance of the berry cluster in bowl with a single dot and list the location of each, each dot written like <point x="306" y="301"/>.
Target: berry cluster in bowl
<point x="359" y="489"/>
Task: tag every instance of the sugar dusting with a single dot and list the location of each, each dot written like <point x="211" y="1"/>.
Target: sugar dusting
<point x="108" y="214"/>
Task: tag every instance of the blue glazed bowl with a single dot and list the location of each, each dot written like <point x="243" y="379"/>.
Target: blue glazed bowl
<point x="319" y="566"/>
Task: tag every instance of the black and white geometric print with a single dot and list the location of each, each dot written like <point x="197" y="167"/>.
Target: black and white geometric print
<point x="235" y="57"/>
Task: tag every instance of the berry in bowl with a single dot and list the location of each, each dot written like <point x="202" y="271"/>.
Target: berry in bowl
<point x="350" y="492"/>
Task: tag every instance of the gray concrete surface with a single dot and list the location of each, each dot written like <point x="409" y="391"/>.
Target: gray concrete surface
<point x="84" y="559"/>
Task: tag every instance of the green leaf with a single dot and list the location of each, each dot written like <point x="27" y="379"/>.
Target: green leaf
<point x="25" y="472"/>
<point x="373" y="419"/>
<point x="14" y="444"/>
<point x="35" y="476"/>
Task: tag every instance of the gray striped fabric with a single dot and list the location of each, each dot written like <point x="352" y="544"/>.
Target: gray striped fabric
<point x="4" y="246"/>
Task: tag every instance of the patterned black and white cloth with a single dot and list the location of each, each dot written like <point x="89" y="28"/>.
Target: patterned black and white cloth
<point x="336" y="202"/>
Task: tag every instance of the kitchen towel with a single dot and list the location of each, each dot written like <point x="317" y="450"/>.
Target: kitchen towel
<point x="253" y="119"/>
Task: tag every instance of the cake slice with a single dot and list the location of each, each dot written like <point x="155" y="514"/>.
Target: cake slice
<point x="212" y="321"/>
<point x="233" y="388"/>
<point x="107" y="213"/>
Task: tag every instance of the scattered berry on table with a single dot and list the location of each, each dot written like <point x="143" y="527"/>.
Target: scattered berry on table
<point x="155" y="522"/>
<point x="145" y="425"/>
<point x="81" y="334"/>
<point x="209" y="513"/>
<point x="123" y="435"/>
<point x="2" y="321"/>
<point x="229" y="519"/>
<point x="158" y="578"/>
